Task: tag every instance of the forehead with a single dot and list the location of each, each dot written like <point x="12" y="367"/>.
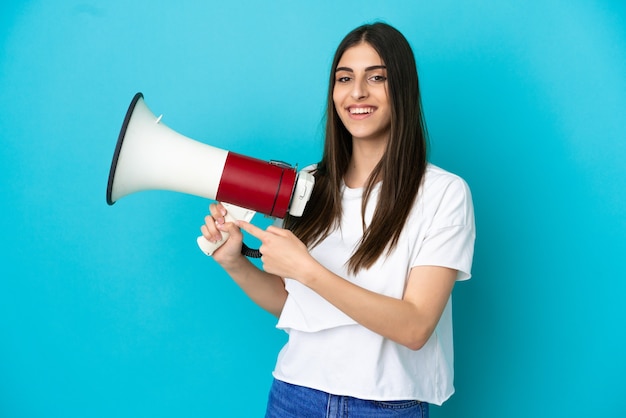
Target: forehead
<point x="360" y="56"/>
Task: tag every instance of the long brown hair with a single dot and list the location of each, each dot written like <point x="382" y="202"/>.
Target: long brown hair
<point x="401" y="168"/>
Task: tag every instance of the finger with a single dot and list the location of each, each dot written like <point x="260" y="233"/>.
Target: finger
<point x="277" y="230"/>
<point x="229" y="227"/>
<point x="210" y="229"/>
<point x="253" y="230"/>
<point x="207" y="234"/>
<point x="220" y="208"/>
<point x="218" y="212"/>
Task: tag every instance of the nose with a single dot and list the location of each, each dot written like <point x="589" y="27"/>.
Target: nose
<point x="359" y="89"/>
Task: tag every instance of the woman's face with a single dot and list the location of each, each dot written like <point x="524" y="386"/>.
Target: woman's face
<point x="360" y="94"/>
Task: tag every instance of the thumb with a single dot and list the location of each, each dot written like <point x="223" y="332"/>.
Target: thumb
<point x="230" y="228"/>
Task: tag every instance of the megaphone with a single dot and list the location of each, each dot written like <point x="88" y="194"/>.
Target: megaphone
<point x="151" y="156"/>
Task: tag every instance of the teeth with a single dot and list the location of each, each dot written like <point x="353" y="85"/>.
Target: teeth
<point x="361" y="110"/>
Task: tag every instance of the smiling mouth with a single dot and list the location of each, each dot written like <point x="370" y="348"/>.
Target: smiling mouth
<point x="361" y="110"/>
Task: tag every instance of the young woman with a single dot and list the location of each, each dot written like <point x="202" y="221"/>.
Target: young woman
<point x="362" y="281"/>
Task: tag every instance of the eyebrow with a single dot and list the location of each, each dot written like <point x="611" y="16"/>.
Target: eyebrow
<point x="373" y="67"/>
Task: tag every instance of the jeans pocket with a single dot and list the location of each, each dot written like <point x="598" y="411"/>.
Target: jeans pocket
<point x="397" y="404"/>
<point x="408" y="408"/>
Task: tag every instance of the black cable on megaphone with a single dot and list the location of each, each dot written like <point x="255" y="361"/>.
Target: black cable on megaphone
<point x="150" y="156"/>
<point x="250" y="252"/>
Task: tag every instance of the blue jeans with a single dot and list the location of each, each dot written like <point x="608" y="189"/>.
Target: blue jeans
<point x="292" y="401"/>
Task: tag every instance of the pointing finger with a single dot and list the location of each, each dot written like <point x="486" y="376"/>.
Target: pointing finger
<point x="251" y="229"/>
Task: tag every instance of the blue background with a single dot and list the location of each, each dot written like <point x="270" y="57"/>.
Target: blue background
<point x="113" y="311"/>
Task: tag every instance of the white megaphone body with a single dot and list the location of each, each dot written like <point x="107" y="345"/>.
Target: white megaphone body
<point x="151" y="156"/>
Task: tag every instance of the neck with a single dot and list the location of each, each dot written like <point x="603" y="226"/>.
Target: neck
<point x="365" y="157"/>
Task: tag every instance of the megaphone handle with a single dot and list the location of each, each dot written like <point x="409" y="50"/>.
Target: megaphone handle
<point x="233" y="213"/>
<point x="209" y="247"/>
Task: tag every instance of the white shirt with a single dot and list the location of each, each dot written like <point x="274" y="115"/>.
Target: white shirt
<point x="329" y="351"/>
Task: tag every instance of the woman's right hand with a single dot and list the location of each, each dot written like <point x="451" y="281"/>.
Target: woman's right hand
<point x="214" y="225"/>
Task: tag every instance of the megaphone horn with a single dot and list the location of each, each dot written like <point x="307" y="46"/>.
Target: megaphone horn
<point x="150" y="156"/>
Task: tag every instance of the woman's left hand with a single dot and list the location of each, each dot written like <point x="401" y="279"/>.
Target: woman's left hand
<point x="282" y="253"/>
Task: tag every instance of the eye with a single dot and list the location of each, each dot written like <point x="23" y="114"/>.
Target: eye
<point x="343" y="79"/>
<point x="376" y="79"/>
